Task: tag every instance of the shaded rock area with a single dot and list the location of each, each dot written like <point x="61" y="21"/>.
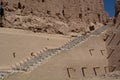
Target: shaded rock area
<point x="117" y="7"/>
<point x="117" y="11"/>
<point x="113" y="41"/>
<point x="54" y="16"/>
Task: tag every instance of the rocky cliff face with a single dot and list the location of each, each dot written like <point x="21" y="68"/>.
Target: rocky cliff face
<point x="117" y="7"/>
<point x="85" y="10"/>
<point x="117" y="11"/>
<point x="113" y="42"/>
<point x="63" y="10"/>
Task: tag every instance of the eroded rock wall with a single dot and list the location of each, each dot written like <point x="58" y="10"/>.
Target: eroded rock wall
<point x="113" y="41"/>
<point x="117" y="7"/>
<point x="86" y="11"/>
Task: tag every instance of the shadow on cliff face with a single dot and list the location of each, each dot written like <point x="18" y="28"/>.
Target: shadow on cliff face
<point x="113" y="41"/>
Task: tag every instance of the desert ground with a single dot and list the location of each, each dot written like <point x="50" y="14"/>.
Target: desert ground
<point x="67" y="65"/>
<point x="22" y="43"/>
<point x="87" y="60"/>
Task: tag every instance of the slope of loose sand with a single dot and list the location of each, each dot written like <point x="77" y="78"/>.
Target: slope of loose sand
<point x="23" y="43"/>
<point x="76" y="58"/>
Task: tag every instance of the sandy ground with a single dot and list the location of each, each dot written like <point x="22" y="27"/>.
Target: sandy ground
<point x="74" y="60"/>
<point x="23" y="43"/>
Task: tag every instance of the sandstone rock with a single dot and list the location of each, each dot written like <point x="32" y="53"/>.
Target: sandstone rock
<point x="117" y="7"/>
<point x="113" y="41"/>
<point x="117" y="11"/>
<point x="84" y="10"/>
<point x="67" y="11"/>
